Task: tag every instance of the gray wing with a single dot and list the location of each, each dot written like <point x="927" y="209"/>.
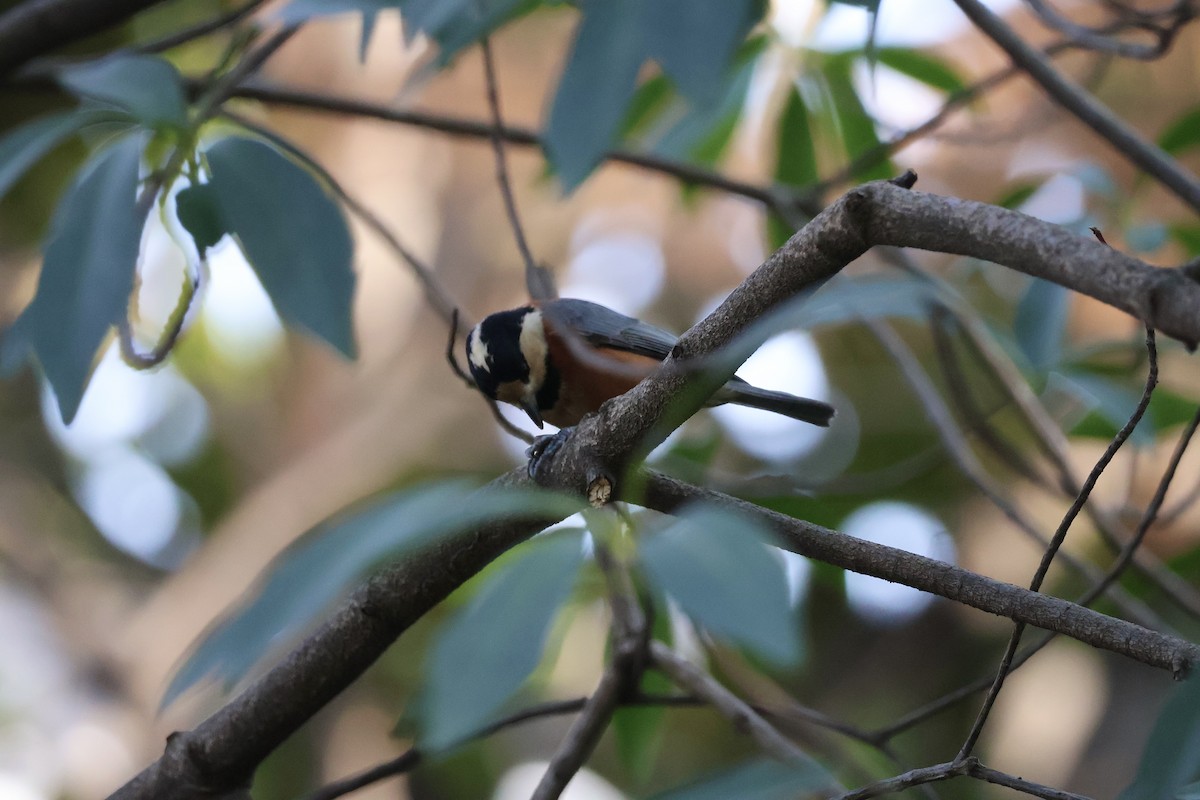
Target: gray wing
<point x="604" y="327"/>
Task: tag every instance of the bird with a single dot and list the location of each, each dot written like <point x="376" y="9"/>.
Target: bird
<point x="560" y="359"/>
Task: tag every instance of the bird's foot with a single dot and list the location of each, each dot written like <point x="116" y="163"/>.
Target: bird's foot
<point x="543" y="449"/>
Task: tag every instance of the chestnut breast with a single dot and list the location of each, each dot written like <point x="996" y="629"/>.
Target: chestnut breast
<point x="591" y="377"/>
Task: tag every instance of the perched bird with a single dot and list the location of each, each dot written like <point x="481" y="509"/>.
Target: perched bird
<point x="560" y="359"/>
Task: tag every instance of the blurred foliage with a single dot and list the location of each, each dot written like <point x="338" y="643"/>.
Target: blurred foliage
<point x="670" y="81"/>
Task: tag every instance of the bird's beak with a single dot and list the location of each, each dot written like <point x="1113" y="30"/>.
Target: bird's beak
<point x="530" y="408"/>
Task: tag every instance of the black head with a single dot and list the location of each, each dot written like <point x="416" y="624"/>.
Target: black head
<point x="494" y="352"/>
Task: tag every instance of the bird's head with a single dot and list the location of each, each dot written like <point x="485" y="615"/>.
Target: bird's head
<point x="506" y="354"/>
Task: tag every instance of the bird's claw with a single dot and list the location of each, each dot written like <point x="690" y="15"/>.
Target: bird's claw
<point x="544" y="448"/>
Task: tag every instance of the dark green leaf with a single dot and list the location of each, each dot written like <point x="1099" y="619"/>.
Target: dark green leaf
<point x="1189" y="792"/>
<point x="718" y="567"/>
<point x="1188" y="237"/>
<point x="292" y="233"/>
<point x="1172" y="755"/>
<point x="649" y="103"/>
<point x="299" y="11"/>
<point x="1146" y="237"/>
<point x="849" y="300"/>
<point x="470" y="25"/>
<point x="927" y="69"/>
<point x="856" y="126"/>
<point x="484" y="655"/>
<point x="24" y="146"/>
<point x="148" y="87"/>
<point x="15" y="346"/>
<point x="778" y="231"/>
<point x="1111" y="403"/>
<point x="695" y="42"/>
<point x="304" y="581"/>
<point x="1040" y="321"/>
<point x="1183" y="134"/>
<point x="702" y="133"/>
<point x="199" y="212"/>
<point x="757" y="780"/>
<point x="1017" y="195"/>
<point x="795" y="153"/>
<point x="87" y="272"/>
<point x="369" y="18"/>
<point x="596" y="87"/>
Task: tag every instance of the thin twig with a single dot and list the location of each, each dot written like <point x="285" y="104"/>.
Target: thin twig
<point x="1152" y="511"/>
<point x="1051" y="440"/>
<point x="968" y="767"/>
<point x="1097" y="39"/>
<point x="959" y="450"/>
<point x="1060" y="536"/>
<point x="960" y="389"/>
<point x="538" y="281"/>
<point x="744" y="718"/>
<point x="1128" y="143"/>
<point x="455" y="126"/>
<point x="621" y="678"/>
<point x="202" y="29"/>
<point x="1086" y="599"/>
<point x="583" y="736"/>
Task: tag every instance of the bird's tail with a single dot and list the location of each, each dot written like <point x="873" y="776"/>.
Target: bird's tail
<point x="789" y="405"/>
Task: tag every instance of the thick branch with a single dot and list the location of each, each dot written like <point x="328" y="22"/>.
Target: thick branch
<point x="218" y="758"/>
<point x="878" y="213"/>
<point x="36" y="27"/>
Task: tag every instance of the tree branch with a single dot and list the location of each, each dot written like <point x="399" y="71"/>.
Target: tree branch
<point x="1161" y="650"/>
<point x="743" y="717"/>
<point x="217" y="758"/>
<point x="1086" y="108"/>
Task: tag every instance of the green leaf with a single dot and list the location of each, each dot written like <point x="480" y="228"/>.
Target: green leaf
<point x="596" y="87"/>
<point x="1146" y="237"/>
<point x="292" y="233"/>
<point x="484" y="655"/>
<point x="718" y="567"/>
<point x="1183" y="134"/>
<point x="848" y="300"/>
<point x="307" y="578"/>
<point x="757" y="780"/>
<point x="1040" y="321"/>
<point x="1189" y="792"/>
<point x="702" y="133"/>
<point x="695" y="42"/>
<point x="24" y="146"/>
<point x="856" y="126"/>
<point x="795" y="152"/>
<point x="299" y="11"/>
<point x="639" y="730"/>
<point x="1111" y="403"/>
<point x="369" y="18"/>
<point x="1188" y="237"/>
<point x="199" y="212"/>
<point x="1172" y="755"/>
<point x="148" y="87"/>
<point x="87" y="272"/>
<point x="1016" y="196"/>
<point x="15" y="346"/>
<point x="920" y="66"/>
<point x="649" y="102"/>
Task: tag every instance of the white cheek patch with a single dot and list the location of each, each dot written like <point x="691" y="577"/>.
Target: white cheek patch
<point x="533" y="347"/>
<point x="479" y="351"/>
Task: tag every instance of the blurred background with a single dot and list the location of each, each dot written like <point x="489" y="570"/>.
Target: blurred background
<point x="125" y="534"/>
